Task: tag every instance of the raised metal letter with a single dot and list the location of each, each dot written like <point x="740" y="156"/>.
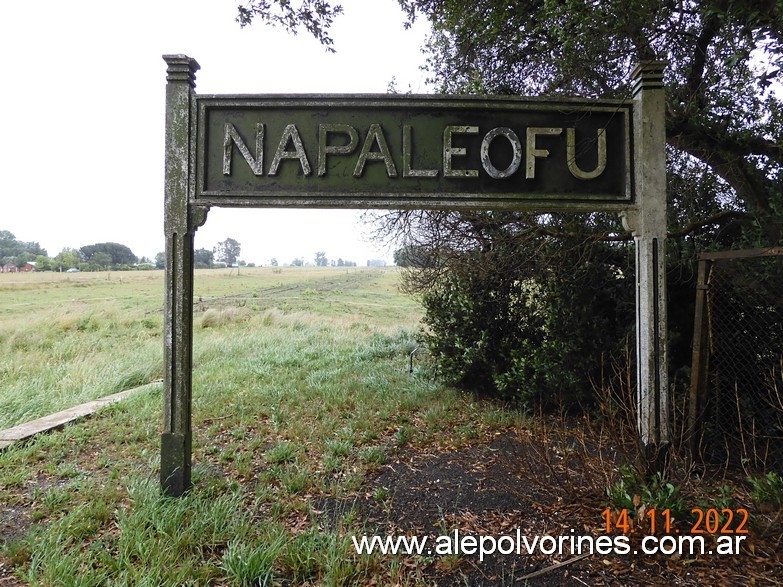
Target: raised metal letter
<point x="449" y="151"/>
<point x="407" y="154"/>
<point x="571" y="155"/>
<point x="325" y="149"/>
<point x="532" y="152"/>
<point x="290" y="133"/>
<point x="375" y="135"/>
<point x="516" y="145"/>
<point x="231" y="137"/>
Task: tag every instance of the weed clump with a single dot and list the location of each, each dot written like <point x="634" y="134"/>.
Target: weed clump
<point x="214" y="318"/>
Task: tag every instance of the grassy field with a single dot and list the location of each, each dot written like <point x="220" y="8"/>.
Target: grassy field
<point x="69" y="338"/>
<point x="301" y="388"/>
<point x="309" y="430"/>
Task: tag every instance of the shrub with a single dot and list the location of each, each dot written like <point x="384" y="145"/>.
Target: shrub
<point x="533" y="330"/>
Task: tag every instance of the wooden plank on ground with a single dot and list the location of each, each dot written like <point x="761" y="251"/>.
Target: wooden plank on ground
<point x="27" y="430"/>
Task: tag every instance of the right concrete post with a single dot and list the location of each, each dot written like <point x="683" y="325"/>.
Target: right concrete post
<point x="647" y="221"/>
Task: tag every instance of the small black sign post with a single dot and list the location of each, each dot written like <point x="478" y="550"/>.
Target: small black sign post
<point x="405" y="152"/>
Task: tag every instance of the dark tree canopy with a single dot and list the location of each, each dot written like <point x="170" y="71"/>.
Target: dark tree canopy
<point x="413" y="256"/>
<point x="321" y="259"/>
<point x="203" y="258"/>
<point x="116" y="254"/>
<point x="723" y="58"/>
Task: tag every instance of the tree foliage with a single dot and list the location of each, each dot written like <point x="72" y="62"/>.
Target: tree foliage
<point x="67" y="258"/>
<point x="101" y="260"/>
<point x="315" y="16"/>
<point x="227" y="251"/>
<point x="320" y="259"/>
<point x="108" y="254"/>
<point x="723" y="58"/>
<point x="95" y="256"/>
<point x="724" y="167"/>
<point x="523" y="306"/>
<point x="413" y="256"/>
<point x="203" y="258"/>
<point x="11" y="248"/>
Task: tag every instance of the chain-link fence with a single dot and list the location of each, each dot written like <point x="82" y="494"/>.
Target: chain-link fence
<point x="736" y="397"/>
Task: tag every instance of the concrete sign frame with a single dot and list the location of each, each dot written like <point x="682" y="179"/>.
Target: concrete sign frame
<point x="402" y="151"/>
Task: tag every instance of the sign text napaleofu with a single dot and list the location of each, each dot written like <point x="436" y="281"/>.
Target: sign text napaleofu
<point x="501" y="152"/>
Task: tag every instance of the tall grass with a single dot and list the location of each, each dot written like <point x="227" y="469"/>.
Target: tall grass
<point x="58" y="357"/>
<point x="66" y="339"/>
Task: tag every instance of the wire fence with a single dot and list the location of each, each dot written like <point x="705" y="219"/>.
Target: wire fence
<point x="735" y="413"/>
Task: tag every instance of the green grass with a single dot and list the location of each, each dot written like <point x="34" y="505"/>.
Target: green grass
<point x="299" y="391"/>
<point x="66" y="340"/>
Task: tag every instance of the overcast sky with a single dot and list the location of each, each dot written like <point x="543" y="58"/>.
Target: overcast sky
<point x="82" y="99"/>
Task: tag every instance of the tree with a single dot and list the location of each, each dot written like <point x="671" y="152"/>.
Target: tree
<point x="511" y="309"/>
<point x="723" y="130"/>
<point x="67" y="258"/>
<point x="413" y="256"/>
<point x="320" y="259"/>
<point x="227" y="251"/>
<point x="100" y="260"/>
<point x="160" y="260"/>
<point x="117" y="254"/>
<point x="722" y="59"/>
<point x="43" y="263"/>
<point x="8" y="244"/>
<point x="203" y="258"/>
<point x="10" y="247"/>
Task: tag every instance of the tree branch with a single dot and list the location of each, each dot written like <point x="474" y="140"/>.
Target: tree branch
<point x="726" y="155"/>
<point x="696" y="74"/>
<point x="714" y="219"/>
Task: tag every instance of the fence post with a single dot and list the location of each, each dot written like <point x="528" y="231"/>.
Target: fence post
<point x="647" y="221"/>
<point x="700" y="358"/>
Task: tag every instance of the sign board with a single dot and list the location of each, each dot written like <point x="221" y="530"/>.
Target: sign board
<point x="403" y="151"/>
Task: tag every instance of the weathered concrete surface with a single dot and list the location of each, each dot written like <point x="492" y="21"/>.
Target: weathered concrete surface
<point x="648" y="225"/>
<point x="29" y="429"/>
<point x="180" y="223"/>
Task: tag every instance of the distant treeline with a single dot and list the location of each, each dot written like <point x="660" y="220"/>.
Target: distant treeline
<point x="19" y="254"/>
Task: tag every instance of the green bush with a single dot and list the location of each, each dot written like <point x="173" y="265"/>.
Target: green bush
<point x="533" y="331"/>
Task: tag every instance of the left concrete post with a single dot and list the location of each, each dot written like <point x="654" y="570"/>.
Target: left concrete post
<point x="175" y="456"/>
